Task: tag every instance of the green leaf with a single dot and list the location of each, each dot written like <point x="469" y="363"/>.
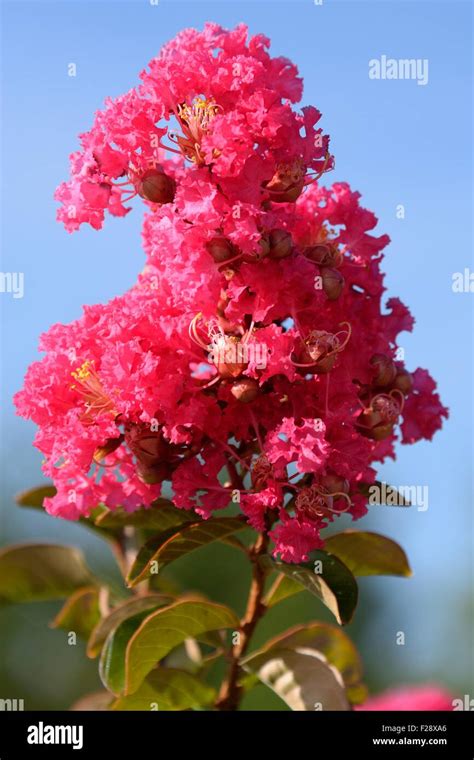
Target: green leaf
<point x="165" y="629"/>
<point x="171" y="545"/>
<point x="120" y="613"/>
<point x="367" y="553"/>
<point x="327" y="578"/>
<point x="80" y="613"/>
<point x="301" y="677"/>
<point x="168" y="689"/>
<point x="161" y="515"/>
<point x="38" y="572"/>
<point x="34" y="497"/>
<point x="282" y="588"/>
<point x="327" y="639"/>
<point x="112" y="658"/>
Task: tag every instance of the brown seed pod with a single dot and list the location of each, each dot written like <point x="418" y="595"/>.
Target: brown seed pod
<point x="111" y="445"/>
<point x="230" y="370"/>
<point x="156" y="474"/>
<point x="156" y="186"/>
<point x="335" y="484"/>
<point x="287" y="183"/>
<point x="333" y="282"/>
<point x="372" y="425"/>
<point x="220" y="249"/>
<point x="383" y="369"/>
<point x="403" y="381"/>
<point x="280" y="244"/>
<point x="245" y="390"/>
<point x="323" y="254"/>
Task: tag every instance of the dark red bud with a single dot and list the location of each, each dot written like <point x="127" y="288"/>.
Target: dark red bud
<point x="403" y="381"/>
<point x="285" y="189"/>
<point x="372" y="424"/>
<point x="264" y="247"/>
<point x="155" y="474"/>
<point x="109" y="447"/>
<point x="335" y="484"/>
<point x="280" y="244"/>
<point x="231" y="370"/>
<point x="320" y="254"/>
<point x="245" y="390"/>
<point x="333" y="283"/>
<point x="156" y="186"/>
<point x="220" y="249"/>
<point x="384" y="370"/>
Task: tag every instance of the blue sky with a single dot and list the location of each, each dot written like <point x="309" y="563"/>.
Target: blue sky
<point x="395" y="141"/>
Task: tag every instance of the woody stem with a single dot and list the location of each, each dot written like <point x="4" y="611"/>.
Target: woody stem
<point x="231" y="692"/>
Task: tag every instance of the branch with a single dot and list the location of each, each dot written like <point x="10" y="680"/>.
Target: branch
<point x="231" y="693"/>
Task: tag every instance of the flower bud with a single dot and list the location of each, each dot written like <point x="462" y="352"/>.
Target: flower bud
<point x="322" y="254"/>
<point x="335" y="484"/>
<point x="261" y="473"/>
<point x="156" y="186"/>
<point x="147" y="446"/>
<point x="156" y="474"/>
<point x="383" y="369"/>
<point x="403" y="381"/>
<point x="230" y="370"/>
<point x="220" y="249"/>
<point x="280" y="244"/>
<point x="372" y="425"/>
<point x="111" y="445"/>
<point x="261" y="253"/>
<point x="333" y="282"/>
<point x="287" y="183"/>
<point x="264" y="247"/>
<point x="245" y="390"/>
<point x="378" y="420"/>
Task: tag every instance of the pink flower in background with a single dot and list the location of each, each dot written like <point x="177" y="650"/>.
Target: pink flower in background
<point x="425" y="697"/>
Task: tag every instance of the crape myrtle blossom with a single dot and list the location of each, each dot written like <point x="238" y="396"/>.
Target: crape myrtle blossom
<point x="256" y="353"/>
<point x="407" y="698"/>
<point x="216" y="104"/>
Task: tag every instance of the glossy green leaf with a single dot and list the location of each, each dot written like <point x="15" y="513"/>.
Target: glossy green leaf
<point x="120" y="613"/>
<point x="327" y="578"/>
<point x="282" y="589"/>
<point x="171" y="545"/>
<point x="161" y="515"/>
<point x="165" y="629"/>
<point x="168" y="689"/>
<point x="34" y="497"/>
<point x="80" y="612"/>
<point x="327" y="639"/>
<point x="112" y="658"/>
<point x="37" y="572"/>
<point x="367" y="553"/>
<point x="301" y="677"/>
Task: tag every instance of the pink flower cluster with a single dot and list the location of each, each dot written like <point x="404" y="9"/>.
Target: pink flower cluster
<point x="254" y="356"/>
<point x="427" y="697"/>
